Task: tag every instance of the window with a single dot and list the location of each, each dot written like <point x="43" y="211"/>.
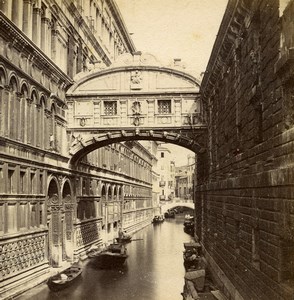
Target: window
<point x="110" y="108"/>
<point x="11" y="217"/>
<point x="162" y="154"/>
<point x="33" y="215"/>
<point x="164" y="106"/>
<point x="2" y="218"/>
<point x="41" y="210"/>
<point x="22" y="215"/>
<point x="41" y="184"/>
<point x="22" y="182"/>
<point x="10" y="180"/>
<point x="32" y="182"/>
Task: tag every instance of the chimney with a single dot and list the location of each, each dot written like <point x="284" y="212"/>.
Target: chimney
<point x="137" y="56"/>
<point x="177" y="62"/>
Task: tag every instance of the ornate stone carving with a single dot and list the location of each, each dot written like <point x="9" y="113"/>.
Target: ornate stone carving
<point x="136" y="80"/>
<point x="87" y="233"/>
<point x="15" y="256"/>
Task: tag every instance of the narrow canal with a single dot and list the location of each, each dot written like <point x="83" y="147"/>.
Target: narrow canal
<point x="153" y="271"/>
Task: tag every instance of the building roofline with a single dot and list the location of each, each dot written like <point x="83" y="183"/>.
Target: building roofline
<point x="122" y="25"/>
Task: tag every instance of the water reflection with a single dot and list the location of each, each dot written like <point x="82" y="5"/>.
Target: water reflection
<point x="153" y="271"/>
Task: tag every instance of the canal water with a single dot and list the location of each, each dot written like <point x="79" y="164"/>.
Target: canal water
<point x="153" y="271"/>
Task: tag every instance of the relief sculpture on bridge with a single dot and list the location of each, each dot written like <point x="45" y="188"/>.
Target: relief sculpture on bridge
<point x="136" y="80"/>
<point x="137" y="110"/>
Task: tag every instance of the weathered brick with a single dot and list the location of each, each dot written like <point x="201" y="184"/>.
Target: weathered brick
<point x="256" y="184"/>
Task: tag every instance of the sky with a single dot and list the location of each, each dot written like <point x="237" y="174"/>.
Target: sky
<point x="169" y="29"/>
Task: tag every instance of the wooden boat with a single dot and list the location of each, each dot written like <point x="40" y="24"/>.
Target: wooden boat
<point x="124" y="239"/>
<point x="113" y="256"/>
<point x="64" y="279"/>
<point x="158" y="219"/>
<point x="170" y="214"/>
<point x="188" y="218"/>
<point x="192" y="255"/>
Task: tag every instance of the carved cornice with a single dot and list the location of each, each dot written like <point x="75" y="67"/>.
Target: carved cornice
<point x="227" y="39"/>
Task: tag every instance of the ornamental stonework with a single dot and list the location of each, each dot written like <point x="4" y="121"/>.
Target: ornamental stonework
<point x="20" y="255"/>
<point x="87" y="233"/>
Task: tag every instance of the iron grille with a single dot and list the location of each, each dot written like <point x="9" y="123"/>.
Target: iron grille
<point x="110" y="108"/>
<point x="164" y="106"/>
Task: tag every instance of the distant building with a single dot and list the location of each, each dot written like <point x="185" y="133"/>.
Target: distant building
<point x="166" y="170"/>
<point x="185" y="179"/>
<point x="152" y="147"/>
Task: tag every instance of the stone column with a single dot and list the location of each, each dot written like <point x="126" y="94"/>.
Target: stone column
<point x="17" y="12"/>
<point x="27" y="18"/>
<point x="36" y="30"/>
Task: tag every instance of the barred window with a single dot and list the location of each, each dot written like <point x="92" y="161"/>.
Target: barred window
<point x="110" y="108"/>
<point x="164" y="106"/>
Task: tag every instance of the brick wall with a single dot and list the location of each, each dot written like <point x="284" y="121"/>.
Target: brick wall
<point x="246" y="203"/>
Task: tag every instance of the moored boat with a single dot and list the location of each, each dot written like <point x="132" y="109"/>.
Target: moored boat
<point x="124" y="239"/>
<point x="170" y="214"/>
<point x="113" y="256"/>
<point x="158" y="219"/>
<point x="188" y="218"/>
<point x="64" y="279"/>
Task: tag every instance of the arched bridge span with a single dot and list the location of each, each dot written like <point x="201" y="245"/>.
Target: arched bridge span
<point x="84" y="144"/>
<point x="135" y="99"/>
<point x="173" y="204"/>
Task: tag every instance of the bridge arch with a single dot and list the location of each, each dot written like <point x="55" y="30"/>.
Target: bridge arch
<point x="135" y="99"/>
<point x="82" y="145"/>
<point x="171" y="205"/>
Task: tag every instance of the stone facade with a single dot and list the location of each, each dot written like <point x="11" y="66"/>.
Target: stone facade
<point x="245" y="195"/>
<point x="51" y="212"/>
<point x="185" y="179"/>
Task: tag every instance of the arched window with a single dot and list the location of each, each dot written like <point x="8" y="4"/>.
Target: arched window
<point x="109" y="198"/>
<point x="103" y="193"/>
<point x="52" y="129"/>
<point x="3" y="103"/>
<point x="23" y="114"/>
<point x="33" y="117"/>
<point x="13" y="118"/>
<point x="114" y="193"/>
<point x="41" y="123"/>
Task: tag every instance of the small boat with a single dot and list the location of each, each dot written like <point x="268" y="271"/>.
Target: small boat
<point x="170" y="214"/>
<point x="158" y="219"/>
<point x="188" y="217"/>
<point x="113" y="256"/>
<point x="124" y="239"/>
<point x="64" y="279"/>
<point x="192" y="255"/>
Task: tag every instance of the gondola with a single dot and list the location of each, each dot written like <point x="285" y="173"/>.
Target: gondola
<point x="158" y="219"/>
<point x="113" y="256"/>
<point x="64" y="279"/>
<point x="169" y="214"/>
<point x="125" y="239"/>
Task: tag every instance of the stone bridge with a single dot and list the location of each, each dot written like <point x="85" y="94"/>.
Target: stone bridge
<point x="135" y="99"/>
<point x="177" y="202"/>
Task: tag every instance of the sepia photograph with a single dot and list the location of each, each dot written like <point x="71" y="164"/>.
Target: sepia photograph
<point x="147" y="149"/>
